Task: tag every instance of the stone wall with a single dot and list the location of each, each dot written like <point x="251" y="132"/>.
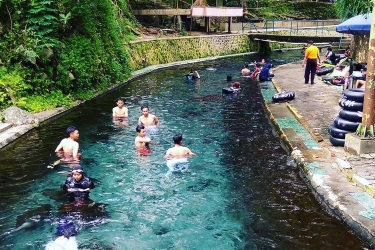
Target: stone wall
<point x="360" y="48"/>
<point x="166" y="50"/>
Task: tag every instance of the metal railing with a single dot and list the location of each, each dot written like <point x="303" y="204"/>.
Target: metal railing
<point x="294" y="27"/>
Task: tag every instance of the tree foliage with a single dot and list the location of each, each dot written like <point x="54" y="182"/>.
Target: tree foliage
<point x="63" y="46"/>
<point x="349" y="8"/>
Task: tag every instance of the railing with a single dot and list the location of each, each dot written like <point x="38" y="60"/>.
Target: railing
<point x="294" y="27"/>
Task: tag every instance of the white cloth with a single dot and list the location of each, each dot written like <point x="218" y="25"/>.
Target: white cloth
<point x="178" y="164"/>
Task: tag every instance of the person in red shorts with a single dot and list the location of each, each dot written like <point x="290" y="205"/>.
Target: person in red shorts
<point x="142" y="142"/>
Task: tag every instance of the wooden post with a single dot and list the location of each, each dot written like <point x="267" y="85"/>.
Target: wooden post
<point x="229" y="24"/>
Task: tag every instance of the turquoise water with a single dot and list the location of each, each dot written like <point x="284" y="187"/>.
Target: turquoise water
<point x="242" y="191"/>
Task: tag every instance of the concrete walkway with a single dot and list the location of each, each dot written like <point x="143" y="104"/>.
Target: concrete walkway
<point x="343" y="183"/>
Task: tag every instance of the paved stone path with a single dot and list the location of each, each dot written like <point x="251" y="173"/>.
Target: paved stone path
<point x="344" y="183"/>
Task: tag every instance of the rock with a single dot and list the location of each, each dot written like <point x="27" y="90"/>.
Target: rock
<point x="17" y="116"/>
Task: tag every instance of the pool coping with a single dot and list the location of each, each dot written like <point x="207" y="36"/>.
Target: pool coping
<point x="341" y="195"/>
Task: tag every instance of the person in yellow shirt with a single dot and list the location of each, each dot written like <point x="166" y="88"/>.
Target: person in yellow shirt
<point x="311" y="61"/>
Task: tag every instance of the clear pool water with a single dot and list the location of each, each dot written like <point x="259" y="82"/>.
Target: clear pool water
<point x="241" y="191"/>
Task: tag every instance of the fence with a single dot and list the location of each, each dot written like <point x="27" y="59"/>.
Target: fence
<point x="294" y="27"/>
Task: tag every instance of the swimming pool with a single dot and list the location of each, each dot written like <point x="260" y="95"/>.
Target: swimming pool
<point x="242" y="191"/>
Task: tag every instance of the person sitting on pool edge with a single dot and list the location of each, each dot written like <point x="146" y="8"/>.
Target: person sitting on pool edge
<point x="177" y="155"/>
<point x="68" y="147"/>
<point x="141" y="141"/>
<point x="265" y="73"/>
<point x="193" y="75"/>
<point x="78" y="185"/>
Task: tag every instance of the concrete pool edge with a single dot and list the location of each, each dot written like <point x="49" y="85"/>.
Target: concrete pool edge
<point x="332" y="189"/>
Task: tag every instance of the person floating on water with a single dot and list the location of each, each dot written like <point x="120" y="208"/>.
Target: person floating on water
<point x="68" y="147"/>
<point x="236" y="86"/>
<point x="142" y="142"/>
<point x="78" y="185"/>
<point x="245" y="70"/>
<point x="193" y="75"/>
<point x="177" y="155"/>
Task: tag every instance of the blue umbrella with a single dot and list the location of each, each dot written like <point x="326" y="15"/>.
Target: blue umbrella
<point x="358" y="25"/>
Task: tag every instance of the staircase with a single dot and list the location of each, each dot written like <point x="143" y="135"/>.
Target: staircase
<point x="338" y="47"/>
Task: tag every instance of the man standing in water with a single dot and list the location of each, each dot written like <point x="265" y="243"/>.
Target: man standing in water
<point x="142" y="142"/>
<point x="147" y="119"/>
<point x="68" y="147"/>
<point x="177" y="156"/>
<point x="121" y="111"/>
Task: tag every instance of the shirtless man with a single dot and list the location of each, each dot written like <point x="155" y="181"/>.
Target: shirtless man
<point x="121" y="111"/>
<point x="245" y="71"/>
<point x="142" y="141"/>
<point x="177" y="156"/>
<point x="69" y="146"/>
<point x="147" y="119"/>
<point x="178" y="151"/>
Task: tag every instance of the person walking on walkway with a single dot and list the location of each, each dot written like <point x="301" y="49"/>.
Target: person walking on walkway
<point x="310" y="60"/>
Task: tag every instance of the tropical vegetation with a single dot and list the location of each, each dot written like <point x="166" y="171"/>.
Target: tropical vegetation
<point x="53" y="52"/>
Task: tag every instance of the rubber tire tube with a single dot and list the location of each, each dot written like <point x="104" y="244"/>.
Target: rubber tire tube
<point x="336" y="132"/>
<point x="345" y="124"/>
<point x="354" y="94"/>
<point x="350" y="105"/>
<point x="337" y="142"/>
<point x="354" y="116"/>
<point x="283" y="96"/>
<point x="324" y="71"/>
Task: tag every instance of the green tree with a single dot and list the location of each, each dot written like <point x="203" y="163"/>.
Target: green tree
<point x="349" y="8"/>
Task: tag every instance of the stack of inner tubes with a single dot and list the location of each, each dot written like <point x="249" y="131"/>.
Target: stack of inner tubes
<point x="324" y="71"/>
<point x="286" y="95"/>
<point x="350" y="116"/>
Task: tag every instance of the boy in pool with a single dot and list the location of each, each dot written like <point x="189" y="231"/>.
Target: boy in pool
<point x="148" y="120"/>
<point x="121" y="111"/>
<point x="68" y="147"/>
<point x="142" y="142"/>
<point x="177" y="156"/>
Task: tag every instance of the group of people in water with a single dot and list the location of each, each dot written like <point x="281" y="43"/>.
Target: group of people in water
<point x="262" y="70"/>
<point x="78" y="185"/>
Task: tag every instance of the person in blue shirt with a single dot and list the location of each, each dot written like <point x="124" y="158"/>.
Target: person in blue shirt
<point x="265" y="73"/>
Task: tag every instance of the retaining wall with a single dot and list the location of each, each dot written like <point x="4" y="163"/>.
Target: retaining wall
<point x="167" y="50"/>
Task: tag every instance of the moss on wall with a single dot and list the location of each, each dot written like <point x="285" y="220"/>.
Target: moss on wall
<point x="160" y="51"/>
